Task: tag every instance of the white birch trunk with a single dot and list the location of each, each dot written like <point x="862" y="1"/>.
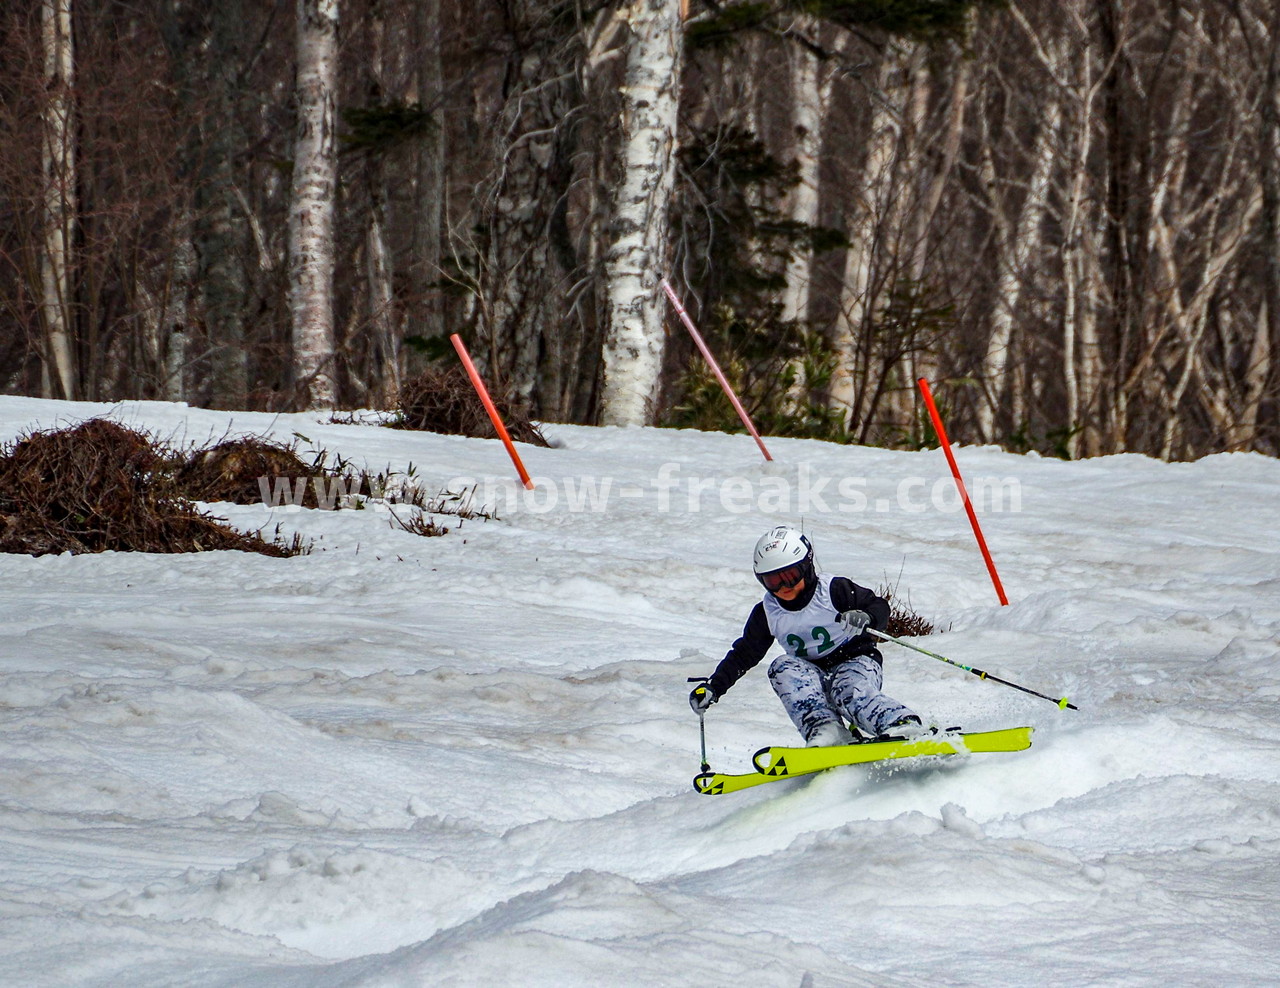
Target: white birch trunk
<point x="1016" y="244"/>
<point x="1079" y="243"/>
<point x="849" y="386"/>
<point x="311" y="214"/>
<point x="924" y="361"/>
<point x="809" y="95"/>
<point x="899" y="388"/>
<point x="58" y="158"/>
<point x="1076" y="308"/>
<point x="222" y="230"/>
<point x="384" y="323"/>
<point x="383" y="333"/>
<point x="429" y="212"/>
<point x="174" y="327"/>
<point x="950" y="149"/>
<point x="1091" y="364"/>
<point x="1212" y="252"/>
<point x="1245" y="432"/>
<point x="1171" y="177"/>
<point x="175" y="363"/>
<point x="1190" y="320"/>
<point x="754" y="68"/>
<point x="633" y="344"/>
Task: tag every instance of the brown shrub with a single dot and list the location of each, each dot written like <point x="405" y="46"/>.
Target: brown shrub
<point x="100" y="486"/>
<point x="441" y="399"/>
<point x="905" y="624"/>
<point x="903" y="621"/>
<point x="232" y="471"/>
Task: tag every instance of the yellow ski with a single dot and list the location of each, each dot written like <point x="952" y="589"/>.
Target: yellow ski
<point x="775" y="762"/>
<point x="715" y="783"/>
<point x="801" y="761"/>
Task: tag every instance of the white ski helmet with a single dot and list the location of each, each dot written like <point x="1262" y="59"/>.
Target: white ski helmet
<point x="783" y="558"/>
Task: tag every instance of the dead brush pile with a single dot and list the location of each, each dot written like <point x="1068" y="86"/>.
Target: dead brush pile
<point x="441" y="399"/>
<point x="236" y="469"/>
<point x="100" y="486"/>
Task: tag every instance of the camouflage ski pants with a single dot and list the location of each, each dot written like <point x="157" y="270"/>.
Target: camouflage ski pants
<point x="851" y="690"/>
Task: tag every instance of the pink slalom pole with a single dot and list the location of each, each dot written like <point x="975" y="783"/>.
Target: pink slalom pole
<point x="964" y="494"/>
<point x="715" y="368"/>
<point x="491" y="408"/>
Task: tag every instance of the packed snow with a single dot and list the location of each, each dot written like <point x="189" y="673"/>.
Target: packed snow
<point x="467" y="759"/>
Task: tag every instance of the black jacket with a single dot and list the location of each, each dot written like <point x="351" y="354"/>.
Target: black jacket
<point x="756" y="640"/>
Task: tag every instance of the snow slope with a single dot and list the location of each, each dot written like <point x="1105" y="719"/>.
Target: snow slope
<point x="467" y="760"/>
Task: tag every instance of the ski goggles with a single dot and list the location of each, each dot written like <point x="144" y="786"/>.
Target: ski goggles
<point x="779" y="578"/>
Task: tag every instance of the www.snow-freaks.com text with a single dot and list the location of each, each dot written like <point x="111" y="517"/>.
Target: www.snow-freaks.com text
<point x="673" y="489"/>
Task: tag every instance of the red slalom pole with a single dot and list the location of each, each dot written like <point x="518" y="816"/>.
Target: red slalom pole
<point x="492" y="409"/>
<point x="715" y="368"/>
<point x="964" y="494"/>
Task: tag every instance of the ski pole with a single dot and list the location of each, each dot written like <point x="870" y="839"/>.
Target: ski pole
<point x="702" y="734"/>
<point x="1061" y="702"/>
<point x="702" y="726"/>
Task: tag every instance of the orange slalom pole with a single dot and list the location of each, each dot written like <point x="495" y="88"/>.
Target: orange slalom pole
<point x="492" y="409"/>
<point x="964" y="494"/>
<point x="715" y="368"/>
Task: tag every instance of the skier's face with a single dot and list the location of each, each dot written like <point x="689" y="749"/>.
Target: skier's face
<point x="789" y="593"/>
<point x="789" y="576"/>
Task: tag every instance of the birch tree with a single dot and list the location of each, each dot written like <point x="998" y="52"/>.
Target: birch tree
<point x="1080" y="79"/>
<point x="856" y="386"/>
<point x="384" y="326"/>
<point x="810" y="95"/>
<point x="1087" y="205"/>
<point x="204" y="46"/>
<point x="429" y="200"/>
<point x="311" y="215"/>
<point x="524" y="281"/>
<point x="633" y="344"/>
<point x="58" y="156"/>
<point x="173" y="328"/>
<point x="922" y="358"/>
<point x="1018" y="240"/>
<point x="1198" y="230"/>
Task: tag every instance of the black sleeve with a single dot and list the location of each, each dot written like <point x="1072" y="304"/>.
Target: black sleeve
<point x="745" y="653"/>
<point x="848" y="596"/>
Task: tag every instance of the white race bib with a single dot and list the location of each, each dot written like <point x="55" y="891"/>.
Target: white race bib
<point x="811" y="632"/>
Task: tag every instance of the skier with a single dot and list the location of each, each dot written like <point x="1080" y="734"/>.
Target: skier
<point x="831" y="669"/>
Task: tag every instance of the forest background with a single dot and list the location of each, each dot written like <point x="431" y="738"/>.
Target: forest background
<point x="1065" y="213"/>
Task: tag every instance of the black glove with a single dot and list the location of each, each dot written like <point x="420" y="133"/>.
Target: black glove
<point x="701" y="697"/>
<point x="854" y="622"/>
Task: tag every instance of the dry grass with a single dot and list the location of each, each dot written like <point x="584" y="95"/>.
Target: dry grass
<point x="418" y="523"/>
